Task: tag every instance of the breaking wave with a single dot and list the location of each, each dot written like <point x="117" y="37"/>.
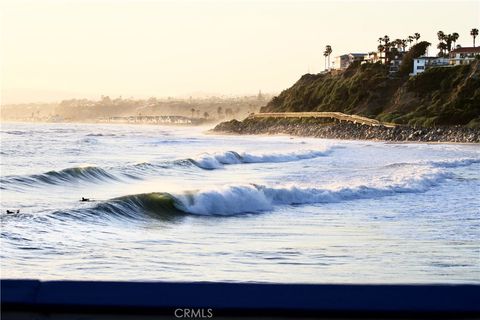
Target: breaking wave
<point x="156" y="204"/>
<point x="218" y="160"/>
<point x="142" y="169"/>
<point x="252" y="198"/>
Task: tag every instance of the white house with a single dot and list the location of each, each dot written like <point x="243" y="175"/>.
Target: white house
<point x="341" y="62"/>
<point x="420" y="64"/>
<point x="345" y="60"/>
<point x="463" y="55"/>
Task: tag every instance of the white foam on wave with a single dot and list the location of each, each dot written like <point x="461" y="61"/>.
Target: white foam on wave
<point x="218" y="160"/>
<point x="250" y="198"/>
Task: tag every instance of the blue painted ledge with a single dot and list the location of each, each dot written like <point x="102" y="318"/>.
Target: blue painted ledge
<point x="241" y="299"/>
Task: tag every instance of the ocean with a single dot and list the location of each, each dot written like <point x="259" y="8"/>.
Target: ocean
<point x="176" y="203"/>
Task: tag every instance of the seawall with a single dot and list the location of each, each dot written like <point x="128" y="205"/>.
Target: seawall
<point x="328" y="129"/>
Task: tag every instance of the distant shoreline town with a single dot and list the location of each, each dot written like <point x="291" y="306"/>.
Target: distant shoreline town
<point x="129" y="110"/>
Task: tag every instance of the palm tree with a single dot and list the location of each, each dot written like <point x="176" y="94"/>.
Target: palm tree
<point x="416" y="36"/>
<point x="219" y="112"/>
<point x="442" y="46"/>
<point x="448" y="41"/>
<point x="380" y="48"/>
<point x="328" y="50"/>
<point x="404" y="44"/>
<point x="193" y="111"/>
<point x="398" y="43"/>
<point x="325" y="54"/>
<point x="455" y="37"/>
<point x="386" y="46"/>
<point x="410" y="40"/>
<point x="441" y="35"/>
<point x="474" y="34"/>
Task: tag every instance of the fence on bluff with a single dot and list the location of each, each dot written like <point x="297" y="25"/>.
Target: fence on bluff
<point x="332" y="115"/>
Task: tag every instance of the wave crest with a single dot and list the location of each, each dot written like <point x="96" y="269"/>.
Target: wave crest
<point x="218" y="160"/>
<point x="88" y="173"/>
<point x="139" y="170"/>
<point x="252" y="198"/>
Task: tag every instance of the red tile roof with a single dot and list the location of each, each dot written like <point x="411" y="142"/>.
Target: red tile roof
<point x="466" y="50"/>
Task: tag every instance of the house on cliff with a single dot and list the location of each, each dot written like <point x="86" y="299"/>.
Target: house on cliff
<point x="421" y="64"/>
<point x="373" y="57"/>
<point x="463" y="55"/>
<point x="459" y="56"/>
<point x="345" y="60"/>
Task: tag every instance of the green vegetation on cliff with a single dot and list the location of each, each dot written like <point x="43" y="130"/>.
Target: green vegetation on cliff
<point x="439" y="96"/>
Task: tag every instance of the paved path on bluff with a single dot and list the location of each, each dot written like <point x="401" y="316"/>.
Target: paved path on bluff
<point x="332" y="115"/>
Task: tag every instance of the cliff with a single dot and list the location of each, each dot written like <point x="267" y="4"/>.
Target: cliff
<point x="442" y="96"/>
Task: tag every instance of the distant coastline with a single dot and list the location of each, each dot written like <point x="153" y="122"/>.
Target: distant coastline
<point x="196" y="123"/>
<point x="145" y="111"/>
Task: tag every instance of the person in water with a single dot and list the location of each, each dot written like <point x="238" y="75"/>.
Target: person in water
<point x="12" y="211"/>
<point x="85" y="199"/>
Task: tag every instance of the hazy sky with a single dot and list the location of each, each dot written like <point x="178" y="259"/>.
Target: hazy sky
<point x="52" y="50"/>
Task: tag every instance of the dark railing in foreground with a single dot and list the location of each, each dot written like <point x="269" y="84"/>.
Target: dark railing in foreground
<point x="25" y="299"/>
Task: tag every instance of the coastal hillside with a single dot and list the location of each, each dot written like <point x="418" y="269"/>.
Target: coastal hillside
<point x="437" y="97"/>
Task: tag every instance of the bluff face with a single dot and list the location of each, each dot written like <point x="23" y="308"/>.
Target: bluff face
<point x="438" y="97"/>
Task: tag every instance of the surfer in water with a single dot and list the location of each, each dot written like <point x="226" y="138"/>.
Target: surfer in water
<point x="12" y="211"/>
<point x="85" y="199"/>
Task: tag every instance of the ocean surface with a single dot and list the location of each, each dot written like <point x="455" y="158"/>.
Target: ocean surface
<point x="176" y="203"/>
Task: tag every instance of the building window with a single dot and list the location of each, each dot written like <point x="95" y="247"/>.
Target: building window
<point x="420" y="67"/>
